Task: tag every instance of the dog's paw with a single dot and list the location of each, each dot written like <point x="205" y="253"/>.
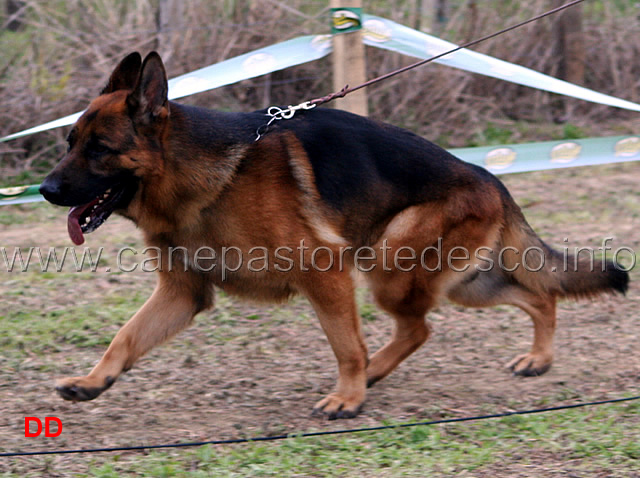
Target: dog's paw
<point x="336" y="406"/>
<point x="79" y="389"/>
<point x="530" y="365"/>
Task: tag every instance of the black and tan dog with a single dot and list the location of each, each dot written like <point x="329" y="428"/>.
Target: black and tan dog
<point x="324" y="194"/>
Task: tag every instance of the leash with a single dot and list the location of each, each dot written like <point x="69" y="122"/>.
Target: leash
<point x="276" y="113"/>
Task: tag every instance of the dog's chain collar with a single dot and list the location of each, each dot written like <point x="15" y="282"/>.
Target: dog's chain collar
<point x="277" y="113"/>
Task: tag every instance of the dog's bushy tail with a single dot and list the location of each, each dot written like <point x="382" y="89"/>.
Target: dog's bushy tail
<point x="562" y="275"/>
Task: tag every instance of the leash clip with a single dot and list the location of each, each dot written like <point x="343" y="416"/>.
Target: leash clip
<point x="277" y="113"/>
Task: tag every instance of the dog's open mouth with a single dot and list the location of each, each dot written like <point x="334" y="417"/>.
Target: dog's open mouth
<point x="89" y="217"/>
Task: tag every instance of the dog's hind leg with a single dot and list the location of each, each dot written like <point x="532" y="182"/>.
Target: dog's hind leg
<point x="409" y="333"/>
<point x="490" y="289"/>
<point x="543" y="313"/>
<point x="408" y="304"/>
<point x="170" y="309"/>
<point x="332" y="296"/>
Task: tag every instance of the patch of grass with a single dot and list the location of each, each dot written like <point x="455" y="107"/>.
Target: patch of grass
<point x="595" y="439"/>
<point x="571" y="131"/>
<point x="369" y="312"/>
<point x="492" y="135"/>
<point x="30" y="213"/>
<point x="28" y="331"/>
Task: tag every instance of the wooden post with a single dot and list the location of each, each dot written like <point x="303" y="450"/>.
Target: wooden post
<point x="349" y="67"/>
<point x="569" y="44"/>
<point x="569" y="49"/>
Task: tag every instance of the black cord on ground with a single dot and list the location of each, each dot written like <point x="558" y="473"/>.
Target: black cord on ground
<point x="322" y="433"/>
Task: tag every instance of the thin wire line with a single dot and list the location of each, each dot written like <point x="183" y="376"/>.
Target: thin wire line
<point x="322" y="433"/>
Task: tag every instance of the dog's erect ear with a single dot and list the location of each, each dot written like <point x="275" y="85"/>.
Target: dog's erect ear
<point x="150" y="93"/>
<point x="125" y="76"/>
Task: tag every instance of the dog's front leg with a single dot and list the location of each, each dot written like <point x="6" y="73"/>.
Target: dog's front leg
<point x="170" y="309"/>
<point x="332" y="296"/>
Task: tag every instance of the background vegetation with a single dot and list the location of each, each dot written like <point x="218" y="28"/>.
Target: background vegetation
<point x="56" y="58"/>
<point x="247" y="371"/>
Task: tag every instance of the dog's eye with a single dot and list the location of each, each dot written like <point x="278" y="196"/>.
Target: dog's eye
<point x="97" y="150"/>
<point x="100" y="149"/>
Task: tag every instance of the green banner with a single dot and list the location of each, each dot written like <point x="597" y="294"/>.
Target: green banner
<point x="519" y="158"/>
<point x="504" y="159"/>
<point x="20" y="195"/>
<point x="344" y="20"/>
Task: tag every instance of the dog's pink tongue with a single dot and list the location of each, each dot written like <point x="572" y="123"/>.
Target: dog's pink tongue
<point x="73" y="225"/>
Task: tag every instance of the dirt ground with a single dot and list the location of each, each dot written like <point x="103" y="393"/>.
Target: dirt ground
<point x="245" y="370"/>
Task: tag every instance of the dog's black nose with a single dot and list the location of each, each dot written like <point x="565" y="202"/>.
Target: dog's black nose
<point x="50" y="189"/>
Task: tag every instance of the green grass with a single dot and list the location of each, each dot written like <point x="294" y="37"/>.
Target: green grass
<point x="588" y="440"/>
<point x="30" y="213"/>
<point x="522" y="132"/>
<point x="593" y="441"/>
<point x="28" y="331"/>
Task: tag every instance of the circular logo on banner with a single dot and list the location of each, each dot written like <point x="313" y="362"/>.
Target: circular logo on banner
<point x="189" y="86"/>
<point x="377" y="31"/>
<point x="565" y="152"/>
<point x="500" y="158"/>
<point x="628" y="147"/>
<point x="259" y="64"/>
<point x="321" y="43"/>
<point x="345" y="20"/>
<point x="10" y="193"/>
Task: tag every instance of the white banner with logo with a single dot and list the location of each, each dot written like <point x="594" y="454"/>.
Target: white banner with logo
<point x="389" y="35"/>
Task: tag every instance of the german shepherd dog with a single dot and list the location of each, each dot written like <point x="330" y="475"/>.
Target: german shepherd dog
<point x="324" y="195"/>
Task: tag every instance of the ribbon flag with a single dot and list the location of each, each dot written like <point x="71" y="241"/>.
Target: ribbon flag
<point x="381" y="33"/>
<point x="392" y="36"/>
<point x="256" y="63"/>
